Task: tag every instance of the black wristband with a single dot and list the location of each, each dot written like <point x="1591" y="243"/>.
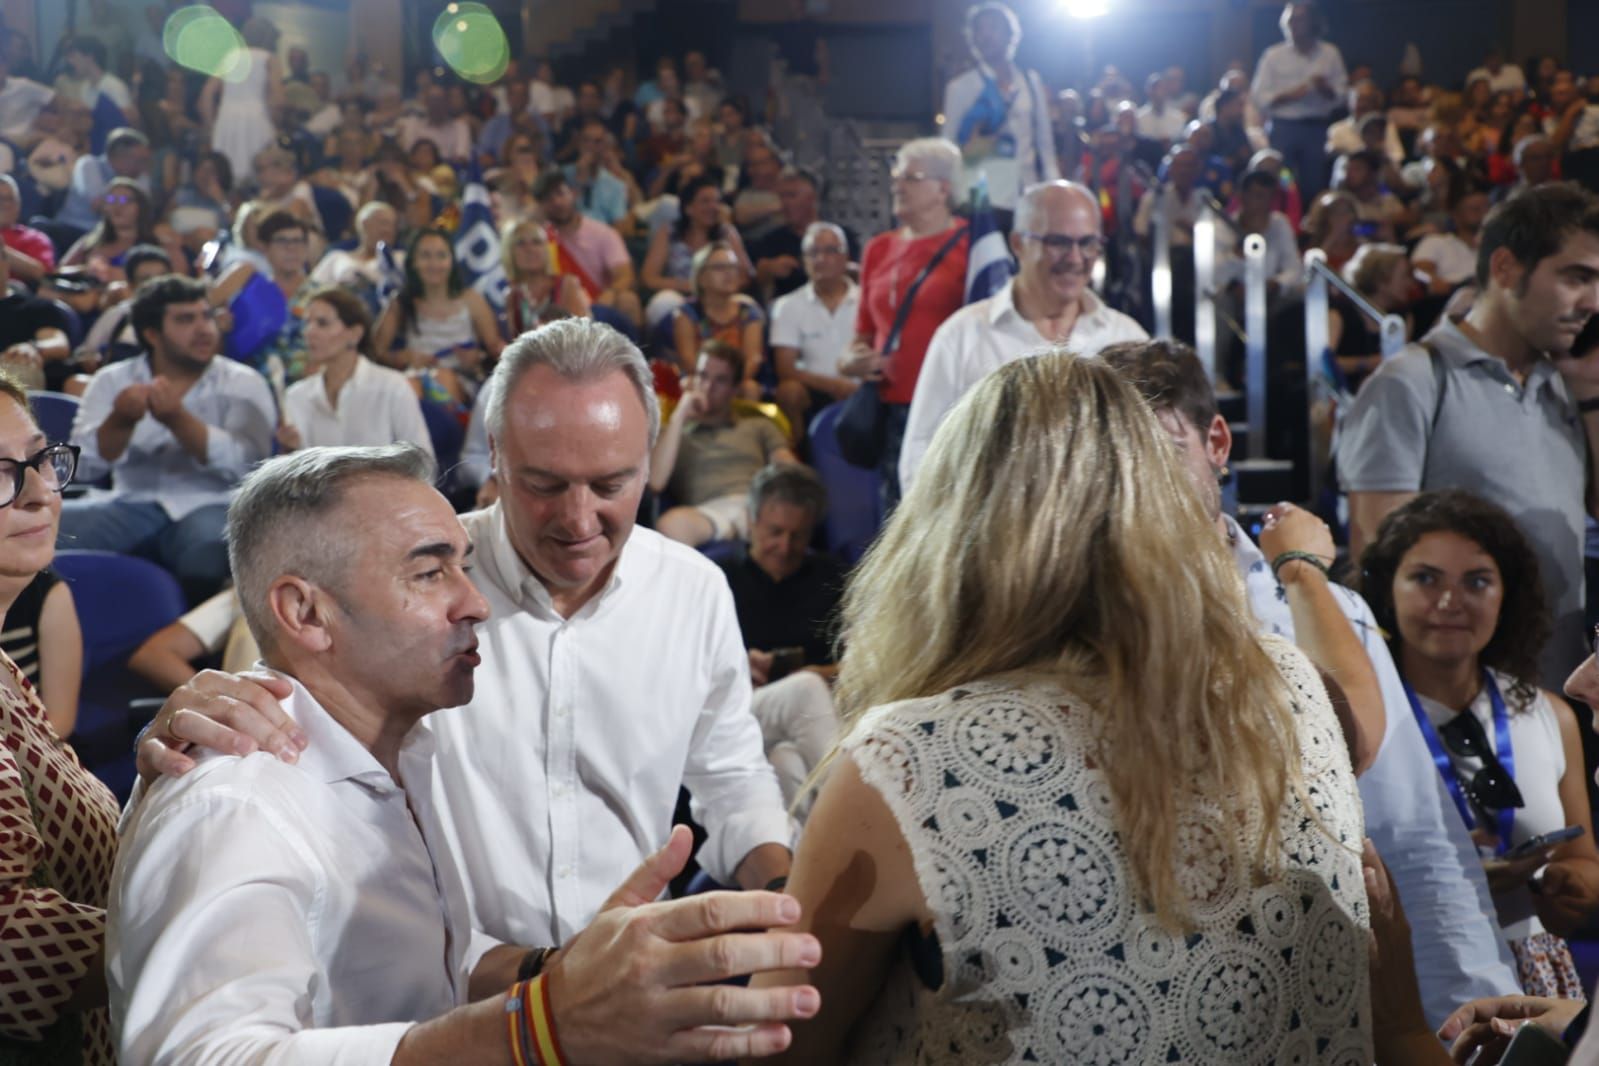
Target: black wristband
<point x="777" y="884"/>
<point x="533" y="964"/>
<point x="1285" y="558"/>
<point x="1588" y="406"/>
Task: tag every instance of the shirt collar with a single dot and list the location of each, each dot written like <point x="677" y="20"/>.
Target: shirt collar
<point x="1003" y="302"/>
<point x="332" y="754"/>
<point x="518" y="581"/>
<point x="1461" y="351"/>
<point x="850" y="289"/>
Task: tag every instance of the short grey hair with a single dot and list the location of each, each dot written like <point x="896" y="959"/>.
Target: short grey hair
<point x="816" y="229"/>
<point x="278" y="520"/>
<point x="938" y="158"/>
<point x="1031" y="204"/>
<point x="578" y="349"/>
<point x="788" y="483"/>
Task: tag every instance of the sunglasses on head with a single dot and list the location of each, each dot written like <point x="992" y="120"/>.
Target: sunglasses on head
<point x="118" y="198"/>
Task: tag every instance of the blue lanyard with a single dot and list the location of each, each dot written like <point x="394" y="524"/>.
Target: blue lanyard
<point x="1505" y="818"/>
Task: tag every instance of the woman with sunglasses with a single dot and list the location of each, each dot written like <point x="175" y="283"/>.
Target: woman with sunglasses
<point x="1455" y="585"/>
<point x="125" y="220"/>
<point x="59" y="836"/>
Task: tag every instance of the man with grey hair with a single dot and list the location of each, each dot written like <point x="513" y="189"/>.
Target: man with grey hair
<point x="812" y="328"/>
<point x="614" y="673"/>
<point x="1049" y="302"/>
<point x="787" y="598"/>
<point x="353" y="574"/>
<point x="997" y="113"/>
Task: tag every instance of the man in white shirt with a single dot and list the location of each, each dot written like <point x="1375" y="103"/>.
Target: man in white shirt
<point x="614" y="672"/>
<point x="178" y="428"/>
<point x="127" y="155"/>
<point x="328" y="876"/>
<point x="1450" y="259"/>
<point x="1160" y="120"/>
<point x="1049" y="302"/>
<point x="451" y="135"/>
<point x="1298" y="84"/>
<point x="1458" y="952"/>
<point x="21" y="103"/>
<point x="1502" y="77"/>
<point x="1344" y="136"/>
<point x="813" y="327"/>
<point x="89" y="80"/>
<point x="998" y="113"/>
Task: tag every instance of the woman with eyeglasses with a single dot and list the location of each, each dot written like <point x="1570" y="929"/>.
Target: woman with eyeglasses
<point x="913" y="277"/>
<point x="1455" y="585"/>
<point x="59" y="821"/>
<point x="721" y="311"/>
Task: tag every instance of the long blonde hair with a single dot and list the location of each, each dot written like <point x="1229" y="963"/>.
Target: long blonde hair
<point x="1051" y="527"/>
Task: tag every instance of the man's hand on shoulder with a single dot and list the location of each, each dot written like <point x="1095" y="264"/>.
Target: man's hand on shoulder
<point x="233" y="713"/>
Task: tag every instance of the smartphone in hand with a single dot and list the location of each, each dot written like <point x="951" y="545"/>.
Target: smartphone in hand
<point x="1544" y="841"/>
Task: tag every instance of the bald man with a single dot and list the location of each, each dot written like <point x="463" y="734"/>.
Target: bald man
<point x="1056" y="241"/>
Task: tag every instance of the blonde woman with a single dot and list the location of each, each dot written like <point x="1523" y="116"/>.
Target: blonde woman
<point x="537" y="294"/>
<point x="1081" y="813"/>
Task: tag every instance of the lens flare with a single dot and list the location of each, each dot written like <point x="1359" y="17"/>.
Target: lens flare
<point x="200" y="39"/>
<point x="471" y="42"/>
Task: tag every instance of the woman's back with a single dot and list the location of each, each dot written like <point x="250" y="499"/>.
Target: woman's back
<point x="249" y="92"/>
<point x="1046" y="956"/>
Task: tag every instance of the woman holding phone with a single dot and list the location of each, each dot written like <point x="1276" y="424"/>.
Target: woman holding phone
<point x="1454" y="583"/>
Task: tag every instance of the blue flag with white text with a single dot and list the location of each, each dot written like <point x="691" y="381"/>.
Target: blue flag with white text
<point x="477" y="242"/>
<point x="988" y="264"/>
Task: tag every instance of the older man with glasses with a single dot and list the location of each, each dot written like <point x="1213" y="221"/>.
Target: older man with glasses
<point x="1056" y="241"/>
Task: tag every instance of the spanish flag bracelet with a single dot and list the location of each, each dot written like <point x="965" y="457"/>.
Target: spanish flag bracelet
<point x="531" y="1025"/>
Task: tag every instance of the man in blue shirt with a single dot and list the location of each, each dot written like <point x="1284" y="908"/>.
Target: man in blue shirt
<point x="601" y="195"/>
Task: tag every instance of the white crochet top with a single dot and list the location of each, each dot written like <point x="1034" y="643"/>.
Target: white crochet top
<point x="1048" y="957"/>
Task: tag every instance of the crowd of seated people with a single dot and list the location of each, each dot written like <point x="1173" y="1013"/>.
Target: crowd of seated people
<point x="311" y="317"/>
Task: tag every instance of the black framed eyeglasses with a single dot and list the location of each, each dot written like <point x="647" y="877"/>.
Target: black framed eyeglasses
<point x="1491" y="787"/>
<point x="55" y="463"/>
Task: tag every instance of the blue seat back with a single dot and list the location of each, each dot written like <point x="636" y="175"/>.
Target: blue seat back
<point x="854" y="502"/>
<point x="55" y="412"/>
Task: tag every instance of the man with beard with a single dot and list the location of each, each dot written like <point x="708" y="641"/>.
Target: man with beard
<point x="1497" y="405"/>
<point x="1056" y="240"/>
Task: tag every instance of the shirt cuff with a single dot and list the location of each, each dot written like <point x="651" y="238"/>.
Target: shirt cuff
<point x="740" y="833"/>
<point x="356" y="1045"/>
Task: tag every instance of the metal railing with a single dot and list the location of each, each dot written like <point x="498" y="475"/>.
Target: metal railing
<point x="1209" y="229"/>
<point x="1320" y="380"/>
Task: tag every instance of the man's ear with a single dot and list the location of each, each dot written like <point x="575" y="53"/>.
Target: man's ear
<point x="1505" y="270"/>
<point x="300" y="612"/>
<point x="1218" y="442"/>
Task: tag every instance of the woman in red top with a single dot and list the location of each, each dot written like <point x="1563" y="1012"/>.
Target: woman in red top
<point x="925" y="176"/>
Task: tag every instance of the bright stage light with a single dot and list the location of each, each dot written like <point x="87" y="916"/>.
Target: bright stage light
<point x="1086" y="9"/>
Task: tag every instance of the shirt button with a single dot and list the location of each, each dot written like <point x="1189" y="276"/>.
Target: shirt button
<point x="562" y="790"/>
<point x="566" y="871"/>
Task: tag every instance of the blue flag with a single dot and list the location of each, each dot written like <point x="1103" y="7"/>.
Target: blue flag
<point x="988" y="265"/>
<point x="477" y="242"/>
<point x="107" y="116"/>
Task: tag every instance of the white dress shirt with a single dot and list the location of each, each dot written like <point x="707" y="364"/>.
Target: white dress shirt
<point x="263" y="912"/>
<point x="1343" y="138"/>
<point x="1411" y="819"/>
<point x="1283" y="67"/>
<point x="376" y="406"/>
<point x="1454" y="260"/>
<point x="979" y="339"/>
<point x="562" y="774"/>
<point x="1164" y="125"/>
<point x="802" y="321"/>
<point x="232" y="400"/>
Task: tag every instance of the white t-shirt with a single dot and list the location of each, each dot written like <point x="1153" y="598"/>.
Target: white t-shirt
<point x="801" y="320"/>
<point x="1455" y="259"/>
<point x="1165" y="126"/>
<point x="21" y="101"/>
<point x="88" y="92"/>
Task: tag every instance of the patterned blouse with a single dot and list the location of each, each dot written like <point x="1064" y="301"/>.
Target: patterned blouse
<point x="1046" y="953"/>
<point x="58" y="839"/>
